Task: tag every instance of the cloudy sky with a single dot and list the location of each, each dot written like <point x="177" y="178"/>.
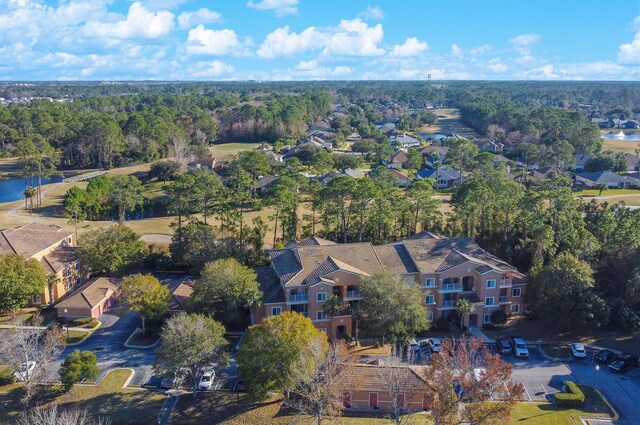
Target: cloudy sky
<point x="319" y="39"/>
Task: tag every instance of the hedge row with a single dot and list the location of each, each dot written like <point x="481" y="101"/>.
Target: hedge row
<point x="574" y="397"/>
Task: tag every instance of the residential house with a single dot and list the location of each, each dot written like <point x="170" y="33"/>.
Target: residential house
<point x="538" y="175"/>
<point x="387" y="128"/>
<point x="404" y="140"/>
<point x="611" y="179"/>
<point x="579" y="161"/>
<point x="397" y="160"/>
<point x="444" y="177"/>
<point x="501" y="159"/>
<point x="401" y="179"/>
<point x="434" y="153"/>
<point x="54" y="249"/>
<point x="206" y="164"/>
<point x="489" y="145"/>
<point x="181" y="292"/>
<point x="301" y="277"/>
<point x="353" y="137"/>
<point x="352" y="172"/>
<point x="90" y="299"/>
<point x="632" y="162"/>
<point x="366" y="387"/>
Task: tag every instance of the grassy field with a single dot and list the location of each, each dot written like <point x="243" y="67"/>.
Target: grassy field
<point x="76" y="337"/>
<point x="619" y="146"/>
<point x="107" y="399"/>
<point x="449" y="122"/>
<point x="225" y="151"/>
<point x="537" y="330"/>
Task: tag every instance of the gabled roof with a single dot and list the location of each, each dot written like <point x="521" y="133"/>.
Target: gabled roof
<point x="60" y="259"/>
<point x="603" y="177"/>
<point x="399" y="157"/>
<point x="91" y="293"/>
<point x="330" y="265"/>
<point x="31" y="239"/>
<point x="424" y="234"/>
<point x="395" y="258"/>
<point x="312" y="241"/>
<point x="269" y="286"/>
<point x="445" y="173"/>
<point x="203" y="162"/>
<point x="180" y="295"/>
<point x="370" y="377"/>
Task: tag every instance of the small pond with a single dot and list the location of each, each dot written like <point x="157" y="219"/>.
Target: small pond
<point x="436" y="135"/>
<point x="13" y="189"/>
<point x="621" y="136"/>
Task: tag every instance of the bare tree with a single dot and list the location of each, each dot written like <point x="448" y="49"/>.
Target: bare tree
<point x="54" y="416"/>
<point x="179" y="149"/>
<point x="470" y="385"/>
<point x="316" y="390"/>
<point x="29" y="344"/>
<point x="406" y="386"/>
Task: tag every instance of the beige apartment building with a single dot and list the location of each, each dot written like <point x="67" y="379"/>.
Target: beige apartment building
<point x="54" y="249"/>
<point x="302" y="276"/>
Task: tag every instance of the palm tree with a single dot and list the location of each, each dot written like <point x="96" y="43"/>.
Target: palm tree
<point x="357" y="314"/>
<point x="464" y="307"/>
<point x="29" y="194"/>
<point x="601" y="187"/>
<point x="332" y="306"/>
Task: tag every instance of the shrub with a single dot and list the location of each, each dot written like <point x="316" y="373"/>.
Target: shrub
<point x="574" y="397"/>
<point x="77" y="367"/>
<point x="7" y="379"/>
<point x="88" y="322"/>
<point x="442" y="323"/>
<point x="499" y="317"/>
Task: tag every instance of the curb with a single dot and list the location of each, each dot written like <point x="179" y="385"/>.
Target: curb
<point x="126" y="344"/>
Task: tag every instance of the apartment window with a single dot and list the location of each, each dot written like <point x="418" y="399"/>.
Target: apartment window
<point x="323" y="330"/>
<point x="321" y="296"/>
<point x="276" y="311"/>
<point x="37" y="299"/>
<point x="516" y="292"/>
<point x="515" y="308"/>
<point x="430" y="282"/>
<point x="429" y="299"/>
<point x="489" y="301"/>
<point x="491" y="283"/>
<point x="430" y="316"/>
<point x="487" y="318"/>
<point x="321" y="315"/>
<point x="409" y="280"/>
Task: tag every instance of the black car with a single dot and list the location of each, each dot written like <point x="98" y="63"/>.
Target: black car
<point x="605" y="356"/>
<point x="503" y="346"/>
<point x="623" y="363"/>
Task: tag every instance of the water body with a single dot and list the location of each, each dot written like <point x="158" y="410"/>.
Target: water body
<point x="13" y="189"/>
<point x="621" y="136"/>
<point x="436" y="135"/>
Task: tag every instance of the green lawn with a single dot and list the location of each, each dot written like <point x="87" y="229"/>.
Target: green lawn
<point x="609" y="192"/>
<point x="107" y="399"/>
<point x="225" y="151"/>
<point x="549" y="414"/>
<point x="75" y="337"/>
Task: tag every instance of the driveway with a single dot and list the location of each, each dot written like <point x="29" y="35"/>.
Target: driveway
<point x="107" y="342"/>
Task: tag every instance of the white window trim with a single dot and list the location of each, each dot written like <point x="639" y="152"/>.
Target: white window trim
<point x="493" y="301"/>
<point x="318" y="297"/>
<point x="409" y="280"/>
<point x="515" y="308"/>
<point x="430" y="316"/>
<point x="494" y="284"/>
<point x="433" y="299"/>
<point x="323" y="313"/>
<point x="519" y="293"/>
<point x="485" y="317"/>
<point x="276" y="308"/>
<point x="429" y="285"/>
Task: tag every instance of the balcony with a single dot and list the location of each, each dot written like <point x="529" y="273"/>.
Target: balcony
<point x="353" y="295"/>
<point x="506" y="283"/>
<point x="298" y="299"/>
<point x="503" y="299"/>
<point x="450" y="287"/>
<point x="447" y="305"/>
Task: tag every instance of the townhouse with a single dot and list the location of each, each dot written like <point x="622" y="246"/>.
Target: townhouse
<point x="54" y="249"/>
<point x="303" y="275"/>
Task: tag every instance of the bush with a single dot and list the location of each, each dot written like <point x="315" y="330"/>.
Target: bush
<point x="442" y="323"/>
<point x="499" y="317"/>
<point x="77" y="367"/>
<point x="574" y="397"/>
<point x="7" y="379"/>
<point x="87" y="322"/>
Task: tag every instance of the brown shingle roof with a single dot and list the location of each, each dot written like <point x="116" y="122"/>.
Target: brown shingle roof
<point x="91" y="293"/>
<point x="366" y="377"/>
<point x="395" y="258"/>
<point x="312" y="241"/>
<point x="180" y="295"/>
<point x="269" y="285"/>
<point x="30" y="239"/>
<point x="60" y="259"/>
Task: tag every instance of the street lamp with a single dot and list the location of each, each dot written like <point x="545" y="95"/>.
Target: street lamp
<point x="66" y="322"/>
<point x="595" y="385"/>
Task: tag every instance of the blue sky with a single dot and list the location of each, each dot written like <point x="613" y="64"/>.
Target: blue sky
<point x="319" y="39"/>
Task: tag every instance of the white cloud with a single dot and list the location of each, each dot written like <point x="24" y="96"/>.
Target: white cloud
<point x="480" y="49"/>
<point x="139" y="23"/>
<point x="201" y="16"/>
<point x="372" y="13"/>
<point x="281" y="42"/>
<point x="411" y="47"/>
<point x="312" y="70"/>
<point x="350" y="38"/>
<point x="496" y="66"/>
<point x="629" y="53"/>
<point x="456" y="51"/>
<point x="545" y="72"/>
<point x="281" y="7"/>
<point x="211" y="69"/>
<point x="522" y="44"/>
<point x="202" y="41"/>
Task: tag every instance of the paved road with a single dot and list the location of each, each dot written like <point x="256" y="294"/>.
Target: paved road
<point x="107" y="342"/>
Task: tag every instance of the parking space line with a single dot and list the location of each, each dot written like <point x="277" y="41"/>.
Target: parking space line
<point x="527" y="391"/>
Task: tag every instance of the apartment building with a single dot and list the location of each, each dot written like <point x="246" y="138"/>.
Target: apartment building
<point x="302" y="276"/>
<point x="54" y="249"/>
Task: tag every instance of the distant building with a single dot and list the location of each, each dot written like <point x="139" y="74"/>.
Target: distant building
<point x="206" y="164"/>
<point x="397" y="160"/>
<point x="611" y="179"/>
<point x="90" y="299"/>
<point x="444" y="177"/>
<point x="405" y="141"/>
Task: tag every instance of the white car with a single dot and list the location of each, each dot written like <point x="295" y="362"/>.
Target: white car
<point x="435" y="345"/>
<point x="413" y="344"/>
<point x="519" y="347"/>
<point x="578" y="350"/>
<point x="24" y="371"/>
<point x="206" y="380"/>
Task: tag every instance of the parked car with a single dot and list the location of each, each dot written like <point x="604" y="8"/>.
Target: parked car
<point x="435" y="345"/>
<point x="24" y="370"/>
<point x="413" y="344"/>
<point x="624" y="362"/>
<point x="519" y="347"/>
<point x="168" y="382"/>
<point x="605" y="356"/>
<point x="206" y="380"/>
<point x="578" y="351"/>
<point x="503" y="346"/>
